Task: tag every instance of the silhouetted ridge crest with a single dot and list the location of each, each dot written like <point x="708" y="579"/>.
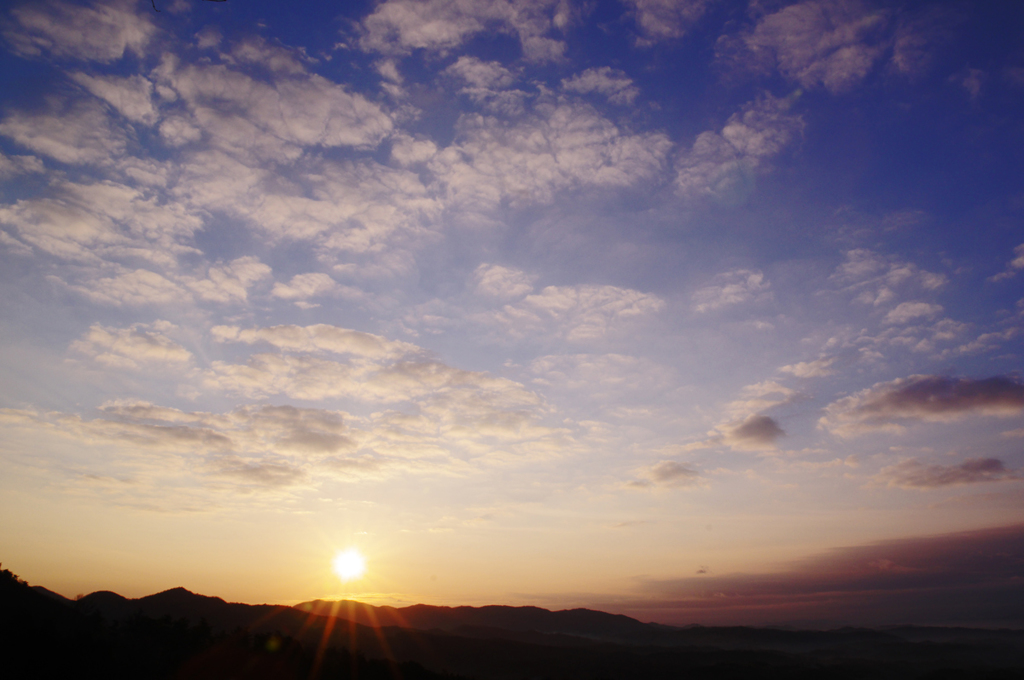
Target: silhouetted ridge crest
<point x="580" y="622"/>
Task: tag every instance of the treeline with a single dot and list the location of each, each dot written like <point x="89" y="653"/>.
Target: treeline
<point x="42" y="637"/>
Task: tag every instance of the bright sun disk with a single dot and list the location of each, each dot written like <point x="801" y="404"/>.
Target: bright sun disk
<point x="349" y="565"/>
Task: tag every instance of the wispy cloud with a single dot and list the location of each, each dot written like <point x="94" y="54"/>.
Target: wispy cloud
<point x="914" y="474"/>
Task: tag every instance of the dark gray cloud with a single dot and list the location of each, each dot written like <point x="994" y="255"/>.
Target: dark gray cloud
<point x="915" y="474"/>
<point x="923" y="398"/>
<point x="666" y="473"/>
<point x="757" y="430"/>
<point x="967" y="577"/>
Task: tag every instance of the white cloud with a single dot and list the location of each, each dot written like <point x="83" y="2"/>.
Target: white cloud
<point x="131" y="96"/>
<point x="722" y="164"/>
<point x="575" y="313"/>
<point x="876" y="279"/>
<point x="320" y="338"/>
<point x="560" y="147"/>
<point x="229" y="282"/>
<point x="357" y="207"/>
<point x="305" y="286"/>
<point x="400" y="26"/>
<point x="12" y="166"/>
<point x="502" y="283"/>
<point x="105" y="221"/>
<point x="759" y="397"/>
<point x="912" y="311"/>
<point x="488" y="75"/>
<point x="135" y="347"/>
<point x="408" y="150"/>
<point x="834" y="43"/>
<point x="601" y="375"/>
<point x="78" y="132"/>
<point x="612" y="83"/>
<point x="272" y="119"/>
<point x="140" y="287"/>
<point x="732" y="288"/>
<point x="818" y="368"/>
<point x="488" y="84"/>
<point x="221" y="282"/>
<point x="1013" y="267"/>
<point x="664" y="19"/>
<point x="102" y="32"/>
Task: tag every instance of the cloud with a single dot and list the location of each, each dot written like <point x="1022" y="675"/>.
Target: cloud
<point x="305" y="286"/>
<point x="320" y="338"/>
<point x="818" y="368"/>
<point x="140" y="287"/>
<point x="481" y="75"/>
<point x="13" y="166"/>
<point x="135" y="347"/>
<point x="922" y="398"/>
<point x="488" y="84"/>
<point x="132" y="97"/>
<point x="760" y="397"/>
<point x="833" y="43"/>
<point x="1013" y="267"/>
<point x="971" y="80"/>
<point x="271" y="119"/>
<point x="875" y="279"/>
<point x="502" y="283"/>
<point x="406" y="150"/>
<point x="104" y="222"/>
<point x="666" y="473"/>
<point x="575" y="313"/>
<point x="732" y="288"/>
<point x="612" y="83"/>
<point x="985" y="342"/>
<point x="666" y="19"/>
<point x="400" y="26"/>
<point x="102" y="31"/>
<point x="559" y="147"/>
<point x="75" y="132"/>
<point x="600" y="375"/>
<point x="913" y="474"/>
<point x="755" y="432"/>
<point x="912" y="311"/>
<point x="357" y="207"/>
<point x="948" y="579"/>
<point x="229" y="282"/>
<point x="917" y="34"/>
<point x="258" y="474"/>
<point x="223" y="283"/>
<point x="723" y="164"/>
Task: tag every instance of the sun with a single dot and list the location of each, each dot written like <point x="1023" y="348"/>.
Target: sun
<point x="349" y="564"/>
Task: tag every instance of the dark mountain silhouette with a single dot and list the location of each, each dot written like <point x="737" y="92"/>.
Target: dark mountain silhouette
<point x="177" y="633"/>
<point x="578" y="622"/>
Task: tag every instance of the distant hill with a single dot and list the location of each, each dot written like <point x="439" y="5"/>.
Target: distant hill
<point x="585" y="623"/>
<point x="207" y="637"/>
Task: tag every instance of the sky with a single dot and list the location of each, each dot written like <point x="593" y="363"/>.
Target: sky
<point x="701" y="311"/>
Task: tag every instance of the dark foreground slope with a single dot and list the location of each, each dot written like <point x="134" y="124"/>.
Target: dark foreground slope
<point x="180" y="634"/>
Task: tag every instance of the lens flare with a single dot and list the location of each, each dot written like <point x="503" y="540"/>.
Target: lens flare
<point x="349" y="565"/>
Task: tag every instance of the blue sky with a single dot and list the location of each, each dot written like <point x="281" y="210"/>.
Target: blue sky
<point x="531" y="302"/>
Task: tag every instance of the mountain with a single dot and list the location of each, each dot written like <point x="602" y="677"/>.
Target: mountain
<point x="196" y="636"/>
<point x="585" y="623"/>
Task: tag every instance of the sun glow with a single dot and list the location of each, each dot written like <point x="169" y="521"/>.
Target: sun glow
<point x="349" y="565"/>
